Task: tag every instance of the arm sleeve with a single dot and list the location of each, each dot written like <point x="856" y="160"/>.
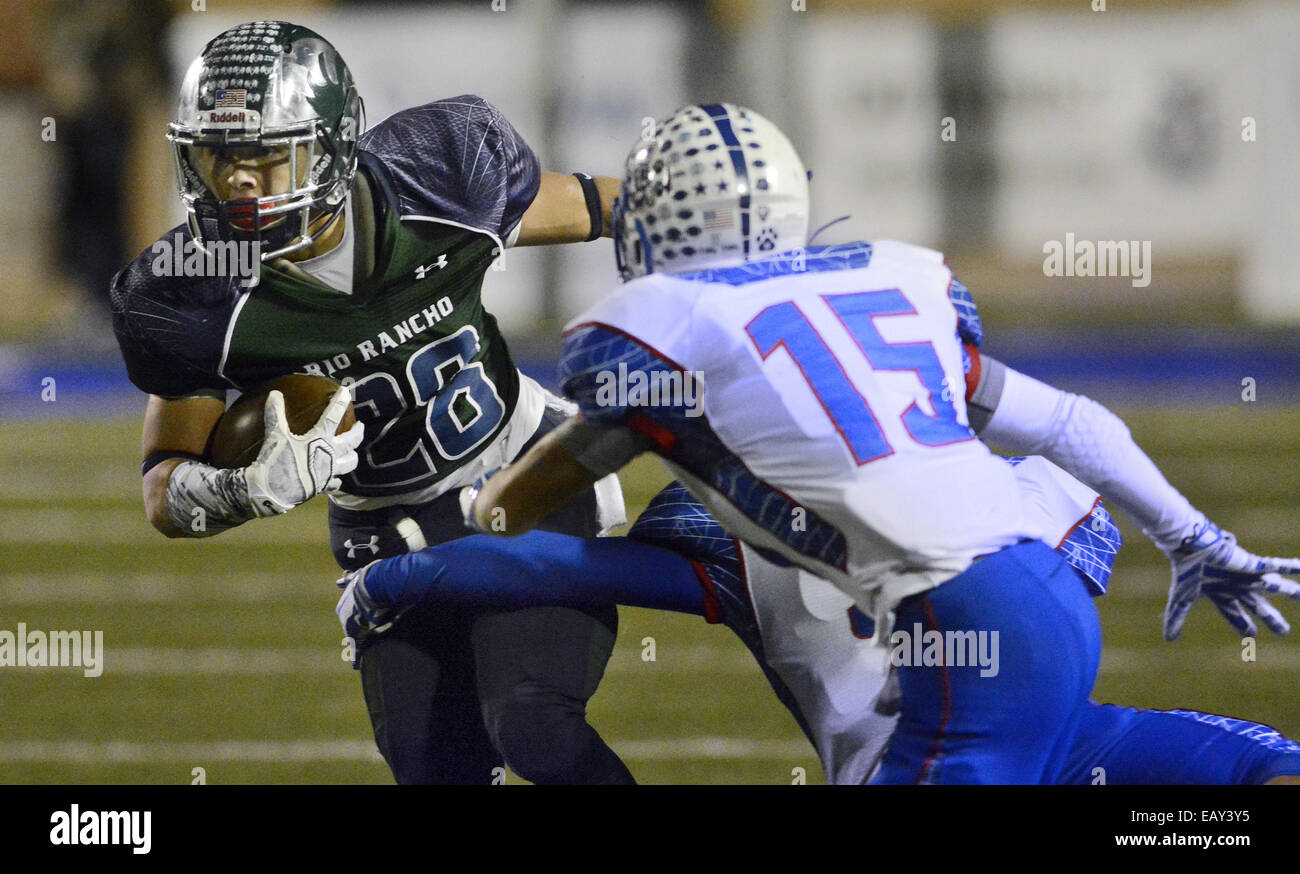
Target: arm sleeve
<point x="203" y="500"/>
<point x="983" y="387"/>
<point x="969" y="327"/>
<point x="1029" y="417"/>
<point x="609" y="374"/>
<point x="460" y="159"/>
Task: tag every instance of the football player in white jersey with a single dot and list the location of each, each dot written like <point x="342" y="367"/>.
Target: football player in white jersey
<point x="807" y="399"/>
<point x="1075" y="431"/>
<point x="715" y="190"/>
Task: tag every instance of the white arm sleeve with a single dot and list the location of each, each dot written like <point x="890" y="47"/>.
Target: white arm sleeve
<point x="1093" y="444"/>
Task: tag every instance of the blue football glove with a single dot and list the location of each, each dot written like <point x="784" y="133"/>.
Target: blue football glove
<point x="1209" y="563"/>
<point x="361" y="617"/>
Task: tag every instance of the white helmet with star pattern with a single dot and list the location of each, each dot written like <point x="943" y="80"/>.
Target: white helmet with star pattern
<point x="717" y="185"/>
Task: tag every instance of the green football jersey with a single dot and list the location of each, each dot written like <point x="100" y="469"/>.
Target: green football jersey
<point x="438" y="188"/>
<point x="431" y="376"/>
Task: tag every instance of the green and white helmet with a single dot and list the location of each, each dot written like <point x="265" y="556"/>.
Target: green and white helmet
<point x="269" y="92"/>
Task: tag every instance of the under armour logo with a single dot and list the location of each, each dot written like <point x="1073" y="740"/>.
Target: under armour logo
<point x="439" y="264"/>
<point x="373" y="546"/>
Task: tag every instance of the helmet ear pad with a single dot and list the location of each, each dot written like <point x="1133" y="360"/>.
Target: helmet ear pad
<point x="631" y="244"/>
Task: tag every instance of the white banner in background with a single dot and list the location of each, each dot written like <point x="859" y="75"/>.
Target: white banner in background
<point x="1121" y="125"/>
<point x="865" y="92"/>
<point x="1272" y="200"/>
<point x="631" y="65"/>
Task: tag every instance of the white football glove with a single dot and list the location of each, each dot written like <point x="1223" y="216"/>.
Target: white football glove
<point x="1210" y="564"/>
<point x="292" y="469"/>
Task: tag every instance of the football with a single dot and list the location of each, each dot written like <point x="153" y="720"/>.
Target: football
<point x="237" y="438"/>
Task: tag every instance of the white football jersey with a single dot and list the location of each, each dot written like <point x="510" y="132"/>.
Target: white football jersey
<point x="832" y="427"/>
<point x="836" y="677"/>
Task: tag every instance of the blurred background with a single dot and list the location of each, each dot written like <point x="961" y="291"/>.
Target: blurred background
<point x="985" y="129"/>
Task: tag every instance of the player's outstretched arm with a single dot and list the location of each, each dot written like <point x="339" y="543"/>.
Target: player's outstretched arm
<point x="519" y="496"/>
<point x="562" y="212"/>
<point x="1026" y="416"/>
<point x="561" y="466"/>
<point x="184" y="497"/>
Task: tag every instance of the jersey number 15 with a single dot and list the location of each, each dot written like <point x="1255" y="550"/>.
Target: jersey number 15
<point x="785" y="325"/>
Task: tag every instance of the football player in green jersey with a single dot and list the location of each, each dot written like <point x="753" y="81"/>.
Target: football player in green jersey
<point x="370" y="253"/>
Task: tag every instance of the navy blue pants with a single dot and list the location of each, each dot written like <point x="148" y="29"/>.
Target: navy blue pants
<point x="456" y="690"/>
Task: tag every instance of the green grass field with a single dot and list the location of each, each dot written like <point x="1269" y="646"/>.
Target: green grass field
<point x="225" y="654"/>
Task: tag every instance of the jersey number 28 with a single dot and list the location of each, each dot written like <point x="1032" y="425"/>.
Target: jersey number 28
<point x="462" y="409"/>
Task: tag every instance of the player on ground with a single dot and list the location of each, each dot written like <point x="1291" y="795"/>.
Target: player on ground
<point x="370" y="255"/>
<point x="820" y="435"/>
<point x="814" y="649"/>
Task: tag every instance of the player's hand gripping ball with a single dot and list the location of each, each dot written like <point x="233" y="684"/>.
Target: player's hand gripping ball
<point x="295" y="437"/>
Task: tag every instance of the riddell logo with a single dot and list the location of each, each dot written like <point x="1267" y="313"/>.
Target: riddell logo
<point x="215" y="117"/>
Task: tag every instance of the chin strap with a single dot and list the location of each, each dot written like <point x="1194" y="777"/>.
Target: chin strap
<point x="817" y="232"/>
